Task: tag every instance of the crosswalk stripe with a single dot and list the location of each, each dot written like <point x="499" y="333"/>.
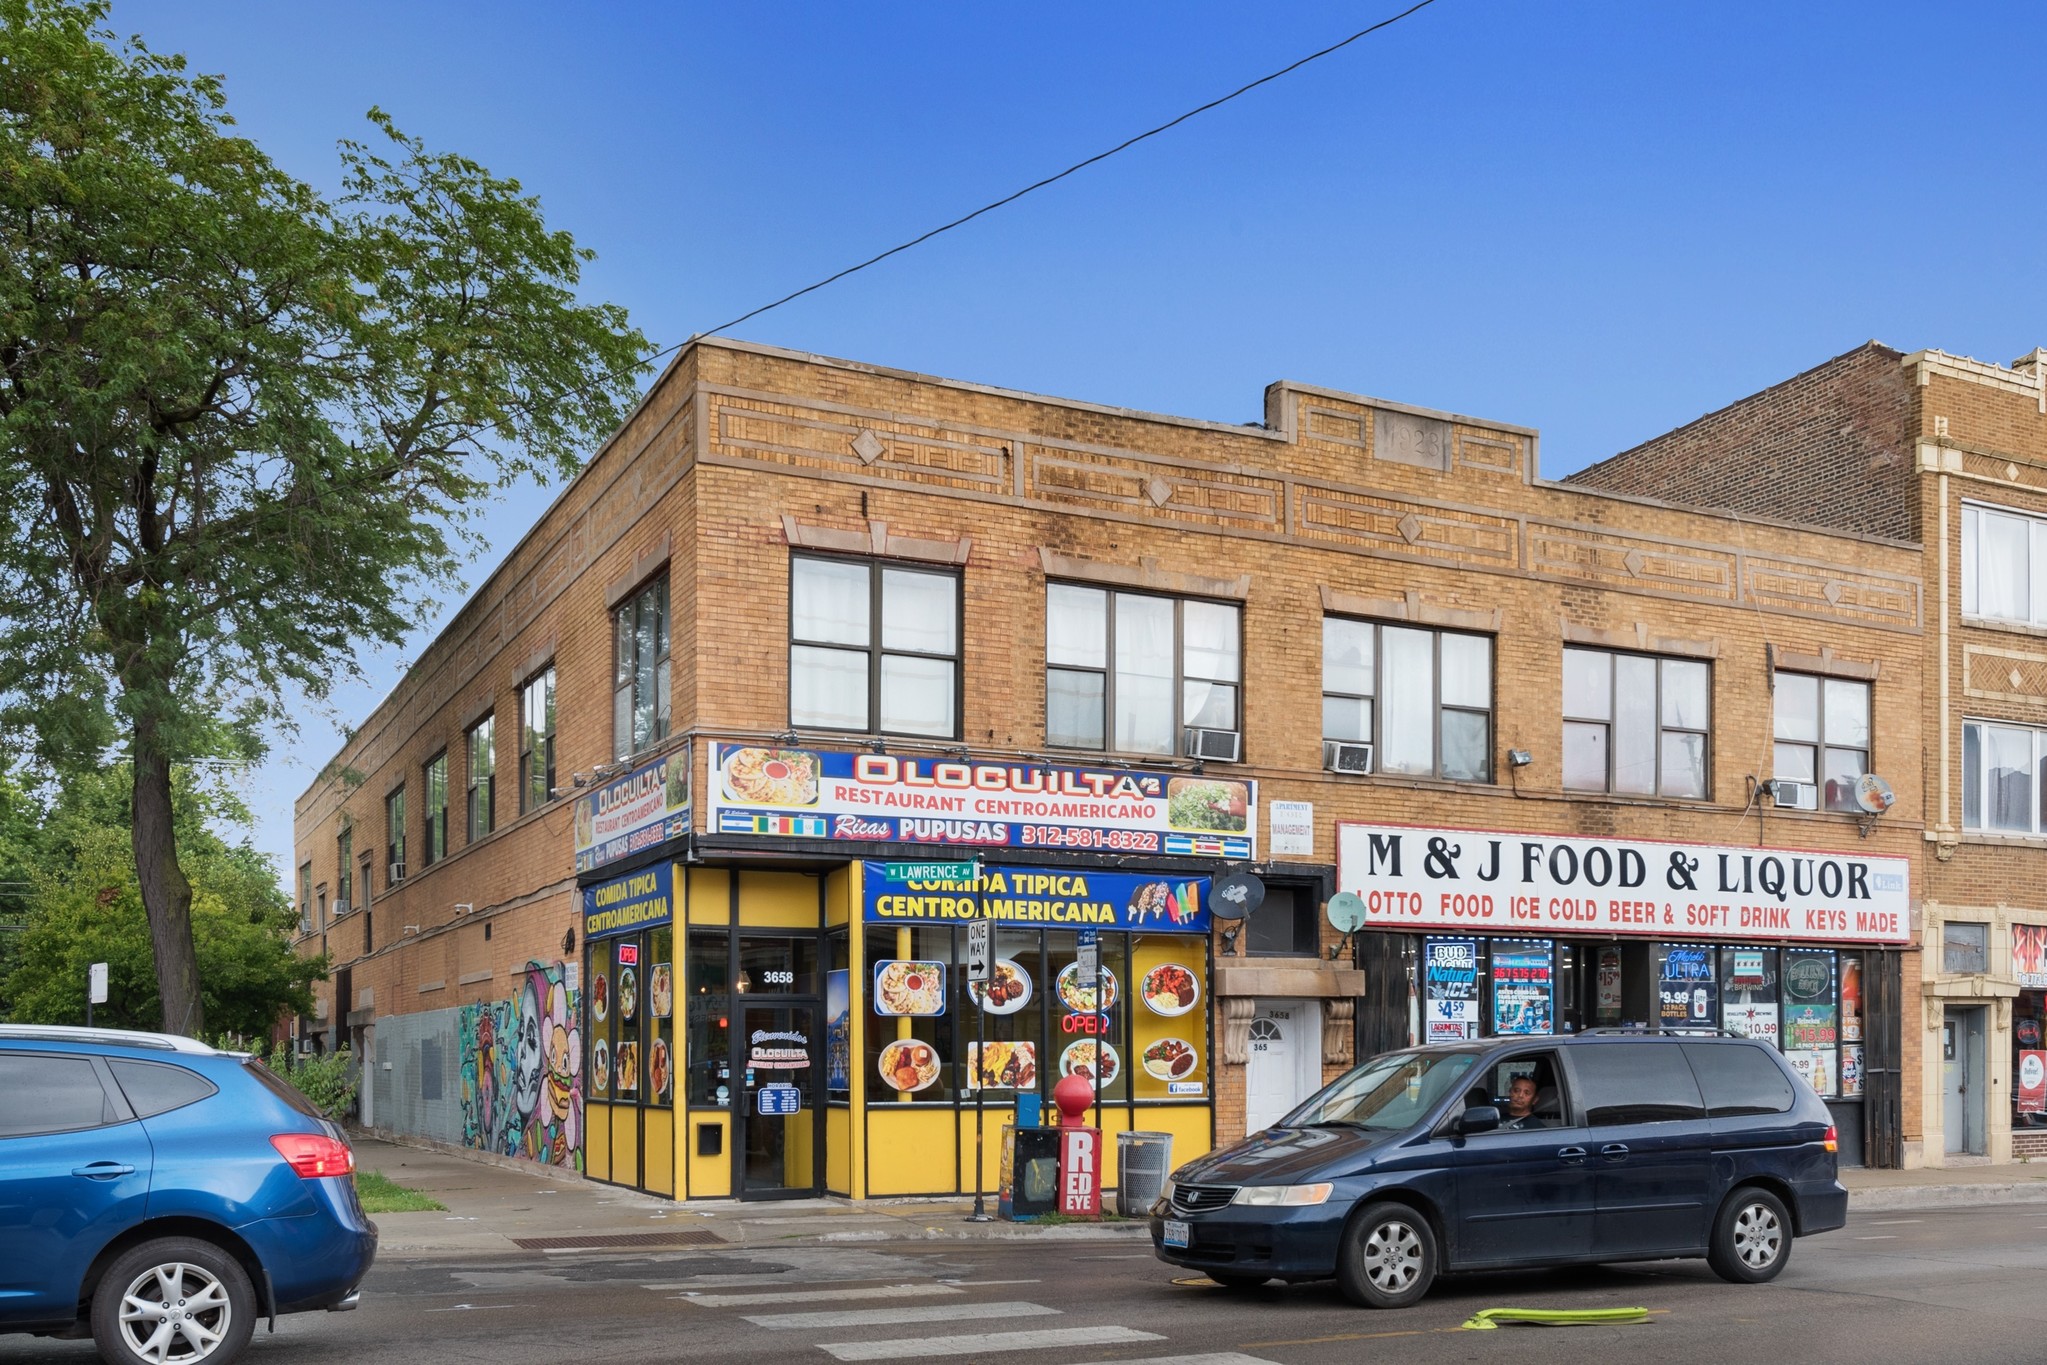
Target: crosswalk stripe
<point x="884" y="1317"/>
<point x="1211" y="1358"/>
<point x="914" y="1348"/>
<point x="890" y="1291"/>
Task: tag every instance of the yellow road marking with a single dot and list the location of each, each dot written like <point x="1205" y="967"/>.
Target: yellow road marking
<point x="1375" y="1336"/>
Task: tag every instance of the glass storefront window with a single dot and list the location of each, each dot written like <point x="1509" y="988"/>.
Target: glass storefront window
<point x="659" y="1009"/>
<point x="628" y="1006"/>
<point x="599" y="989"/>
<point x="910" y="1049"/>
<point x="1811" y="1026"/>
<point x="777" y="965"/>
<point x="1011" y="1006"/>
<point x="1168" y="1019"/>
<point x="1748" y="992"/>
<point x="1687" y="986"/>
<point x="707" y="1016"/>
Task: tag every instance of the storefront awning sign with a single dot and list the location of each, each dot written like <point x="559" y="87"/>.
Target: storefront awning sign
<point x="1492" y="882"/>
<point x="647" y="806"/>
<point x="1044" y="897"/>
<point x="623" y="905"/>
<point x="915" y="799"/>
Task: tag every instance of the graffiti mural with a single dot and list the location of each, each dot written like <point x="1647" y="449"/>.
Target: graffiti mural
<point x="522" y="1083"/>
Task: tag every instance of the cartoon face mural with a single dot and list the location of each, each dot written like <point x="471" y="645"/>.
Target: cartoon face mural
<point x="522" y="1091"/>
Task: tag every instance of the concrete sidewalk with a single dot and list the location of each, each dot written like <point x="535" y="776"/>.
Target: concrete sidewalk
<point x="498" y="1205"/>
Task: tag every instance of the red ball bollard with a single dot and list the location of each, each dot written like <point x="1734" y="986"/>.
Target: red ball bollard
<point x="1080" y="1150"/>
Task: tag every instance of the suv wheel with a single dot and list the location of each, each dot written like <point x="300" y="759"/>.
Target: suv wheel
<point x="178" y="1301"/>
<point x="1751" y="1237"/>
<point x="1388" y="1259"/>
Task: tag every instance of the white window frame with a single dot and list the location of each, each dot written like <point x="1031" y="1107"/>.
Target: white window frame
<point x="1977" y="791"/>
<point x="2031" y="585"/>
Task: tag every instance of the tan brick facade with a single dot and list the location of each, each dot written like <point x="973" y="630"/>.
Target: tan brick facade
<point x="1337" y="503"/>
<point x="1970" y="433"/>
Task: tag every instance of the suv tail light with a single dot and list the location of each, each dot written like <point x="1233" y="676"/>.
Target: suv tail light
<point x="314" y="1155"/>
<point x="1833" y="1138"/>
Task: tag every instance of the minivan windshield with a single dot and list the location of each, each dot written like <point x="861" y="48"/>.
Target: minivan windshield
<point x="1388" y="1093"/>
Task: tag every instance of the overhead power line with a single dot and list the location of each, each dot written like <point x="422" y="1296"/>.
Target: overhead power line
<point x="1124" y="145"/>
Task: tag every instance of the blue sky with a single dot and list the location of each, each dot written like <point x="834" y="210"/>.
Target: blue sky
<point x="1598" y="219"/>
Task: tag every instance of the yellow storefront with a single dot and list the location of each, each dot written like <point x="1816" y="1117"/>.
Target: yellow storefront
<point x="817" y="1034"/>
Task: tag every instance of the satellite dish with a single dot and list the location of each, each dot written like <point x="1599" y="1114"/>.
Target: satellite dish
<point x="1873" y="794"/>
<point x="1346" y="910"/>
<point x="1235" y="895"/>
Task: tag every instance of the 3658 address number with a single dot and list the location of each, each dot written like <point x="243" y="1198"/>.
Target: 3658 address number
<point x="1069" y="836"/>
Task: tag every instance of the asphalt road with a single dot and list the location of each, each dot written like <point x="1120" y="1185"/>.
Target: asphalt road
<point x="1935" y="1286"/>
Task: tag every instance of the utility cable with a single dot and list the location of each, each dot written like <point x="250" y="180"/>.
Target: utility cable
<point x="1055" y="179"/>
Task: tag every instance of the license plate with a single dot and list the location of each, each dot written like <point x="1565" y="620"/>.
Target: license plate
<point x="1177" y="1234"/>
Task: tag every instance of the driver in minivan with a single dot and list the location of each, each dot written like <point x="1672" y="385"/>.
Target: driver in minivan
<point x="1519" y="1111"/>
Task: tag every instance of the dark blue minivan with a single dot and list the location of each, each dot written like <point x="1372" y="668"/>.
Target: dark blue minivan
<point x="1505" y="1154"/>
<point x="161" y="1196"/>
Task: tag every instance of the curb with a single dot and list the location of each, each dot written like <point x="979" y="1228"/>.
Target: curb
<point x="1890" y="1198"/>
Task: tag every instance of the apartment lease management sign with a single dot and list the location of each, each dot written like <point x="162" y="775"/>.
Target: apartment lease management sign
<point x="1482" y="881"/>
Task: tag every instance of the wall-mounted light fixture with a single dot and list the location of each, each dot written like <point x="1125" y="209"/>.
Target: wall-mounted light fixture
<point x="1519" y="758"/>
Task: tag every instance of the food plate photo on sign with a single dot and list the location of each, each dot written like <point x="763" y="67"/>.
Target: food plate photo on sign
<point x="661" y="985"/>
<point x="909" y="988"/>
<point x="1170" y="989"/>
<point x="1010" y="1066"/>
<point x="1079" y="1060"/>
<point x="1170" y="1059"/>
<point x="600" y="1067"/>
<point x="771" y="777"/>
<point x="628" y="994"/>
<point x="600" y="997"/>
<point x="908" y="1065"/>
<point x="1081" y="999"/>
<point x="1008" y="991"/>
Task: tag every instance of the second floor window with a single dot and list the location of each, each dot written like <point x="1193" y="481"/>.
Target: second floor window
<point x="1635" y="724"/>
<point x="2001" y="766"/>
<point x="1132" y="672"/>
<point x="436" y="810"/>
<point x="2004" y="565"/>
<point x="483" y="778"/>
<point x="1422" y="698"/>
<point x="873" y="647"/>
<point x="344" y="864"/>
<point x="305" y="898"/>
<point x="394" y="837"/>
<point x="639" y="680"/>
<point x="536" y="741"/>
<point x="1822" y="727"/>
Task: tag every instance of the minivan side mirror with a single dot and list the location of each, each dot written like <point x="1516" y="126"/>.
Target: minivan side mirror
<point x="1480" y="1118"/>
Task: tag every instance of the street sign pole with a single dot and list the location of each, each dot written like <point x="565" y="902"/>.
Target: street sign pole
<point x="984" y="962"/>
<point x="1088" y="952"/>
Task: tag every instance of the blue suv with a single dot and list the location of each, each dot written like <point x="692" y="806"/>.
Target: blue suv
<point x="1619" y="1146"/>
<point x="161" y="1196"/>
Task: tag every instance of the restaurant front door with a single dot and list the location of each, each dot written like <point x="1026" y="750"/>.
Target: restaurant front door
<point x="780" y="1105"/>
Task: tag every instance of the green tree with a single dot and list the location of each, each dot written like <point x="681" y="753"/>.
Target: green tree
<point x="85" y="906"/>
<point x="242" y="424"/>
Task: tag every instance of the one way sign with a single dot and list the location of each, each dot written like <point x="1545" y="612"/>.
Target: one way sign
<point x="977" y="949"/>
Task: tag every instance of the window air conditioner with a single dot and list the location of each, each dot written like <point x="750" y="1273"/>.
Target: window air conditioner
<point x="1344" y="756"/>
<point x="396" y="872"/>
<point x="341" y="908"/>
<point x="1215" y="746"/>
<point x="1795" y="795"/>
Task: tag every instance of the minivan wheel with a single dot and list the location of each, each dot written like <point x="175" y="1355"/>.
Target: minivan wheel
<point x="177" y="1301"/>
<point x="1751" y="1237"/>
<point x="1388" y="1258"/>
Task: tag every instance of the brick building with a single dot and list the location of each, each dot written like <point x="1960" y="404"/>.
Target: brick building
<point x="610" y="880"/>
<point x="1951" y="453"/>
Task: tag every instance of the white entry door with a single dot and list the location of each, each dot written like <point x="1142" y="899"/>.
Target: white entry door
<point x="1283" y="1063"/>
